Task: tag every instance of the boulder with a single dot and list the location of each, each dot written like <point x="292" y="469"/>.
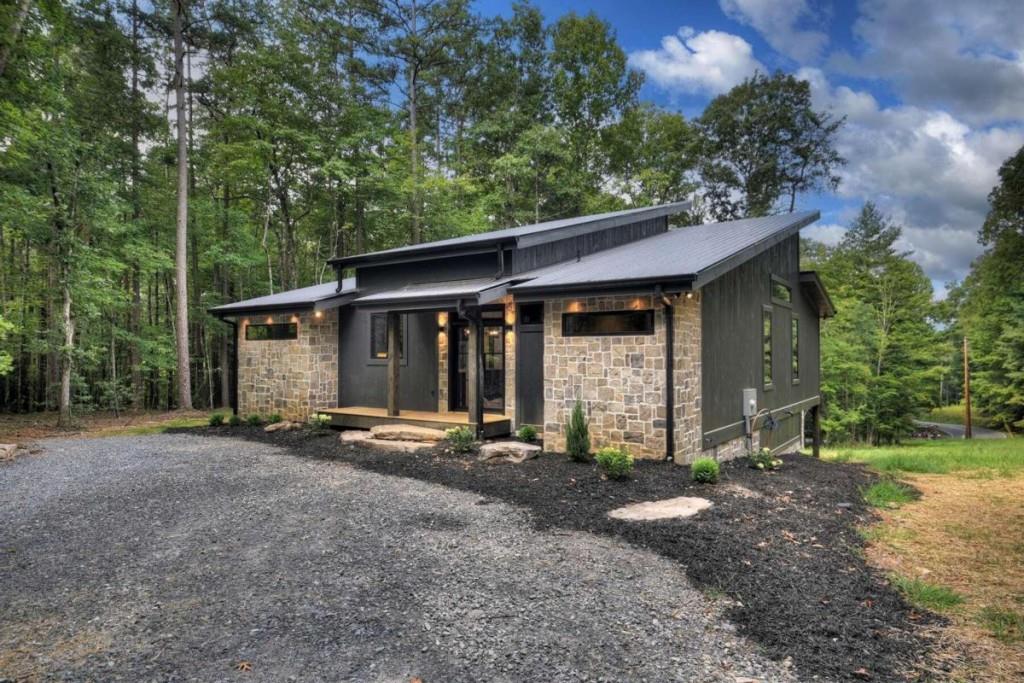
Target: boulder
<point x="396" y="445"/>
<point x="7" y="450"/>
<point x="402" y="432"/>
<point x="355" y="436"/>
<point x="669" y="508"/>
<point x="512" y="451"/>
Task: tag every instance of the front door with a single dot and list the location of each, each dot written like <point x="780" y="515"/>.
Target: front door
<point x="493" y="363"/>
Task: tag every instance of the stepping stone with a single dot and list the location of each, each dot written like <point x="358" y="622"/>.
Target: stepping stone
<point x="402" y="432"/>
<point x="361" y="437"/>
<point x="355" y="435"/>
<point x="284" y="426"/>
<point x="513" y="451"/>
<point x="683" y="506"/>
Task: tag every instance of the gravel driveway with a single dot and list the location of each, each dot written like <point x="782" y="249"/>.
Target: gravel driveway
<point x="177" y="557"/>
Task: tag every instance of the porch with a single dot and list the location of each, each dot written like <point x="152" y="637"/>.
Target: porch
<point x="364" y="417"/>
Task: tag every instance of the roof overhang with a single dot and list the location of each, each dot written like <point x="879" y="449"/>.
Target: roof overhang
<point x="606" y="287"/>
<point x="814" y="289"/>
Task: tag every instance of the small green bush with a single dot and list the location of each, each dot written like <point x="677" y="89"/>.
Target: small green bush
<point x="527" y="434"/>
<point x="763" y="459"/>
<point x="888" y="493"/>
<point x="460" y="439"/>
<point x="216" y="420"/>
<point x="616" y="463"/>
<point x="234" y="420"/>
<point x="320" y="423"/>
<point x="577" y="435"/>
<point x="254" y="420"/>
<point x="704" y="470"/>
<point x="926" y="595"/>
<point x="274" y="418"/>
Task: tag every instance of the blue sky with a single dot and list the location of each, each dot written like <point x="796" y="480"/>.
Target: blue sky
<point x="933" y="92"/>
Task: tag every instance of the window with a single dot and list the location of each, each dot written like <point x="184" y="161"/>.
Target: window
<point x="781" y="293"/>
<point x="766" y="346"/>
<point x="271" y="332"/>
<point x="531" y="314"/>
<point x="379" y="336"/>
<point x="795" y="344"/>
<point x="607" y="322"/>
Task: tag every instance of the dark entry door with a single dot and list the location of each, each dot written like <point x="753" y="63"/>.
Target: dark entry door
<point x="530" y="364"/>
<point x="493" y="365"/>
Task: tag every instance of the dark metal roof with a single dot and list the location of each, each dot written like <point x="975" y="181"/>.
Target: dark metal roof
<point x="813" y="287"/>
<point x="476" y="290"/>
<point x="293" y="299"/>
<point x="524" y="235"/>
<point x="694" y="255"/>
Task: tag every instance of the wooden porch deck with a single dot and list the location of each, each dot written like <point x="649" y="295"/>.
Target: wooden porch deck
<point x="364" y="417"/>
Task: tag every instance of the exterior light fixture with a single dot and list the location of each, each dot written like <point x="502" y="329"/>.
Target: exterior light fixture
<point x="270" y="320"/>
<point x="318" y="314"/>
<point x="442" y="320"/>
<point x="689" y="295"/>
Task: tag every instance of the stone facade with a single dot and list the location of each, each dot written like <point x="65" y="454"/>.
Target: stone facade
<point x="730" y="450"/>
<point x="686" y="378"/>
<point x="619" y="379"/>
<point x="291" y="377"/>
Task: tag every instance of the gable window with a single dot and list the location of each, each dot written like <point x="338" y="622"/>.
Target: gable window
<point x="379" y="336"/>
<point x="766" y="346"/>
<point x="607" y="323"/>
<point x="781" y="291"/>
<point x="795" y="348"/>
<point x="271" y="332"/>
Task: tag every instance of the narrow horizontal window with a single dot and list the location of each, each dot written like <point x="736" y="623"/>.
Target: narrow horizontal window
<point x="379" y="336"/>
<point x="607" y="322"/>
<point x="271" y="332"/>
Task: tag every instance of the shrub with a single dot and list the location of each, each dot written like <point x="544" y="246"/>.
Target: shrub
<point x="616" y="463"/>
<point x="216" y="420"/>
<point x="460" y="439"/>
<point x="320" y="423"/>
<point x="577" y="435"/>
<point x="234" y="420"/>
<point x="274" y="418"/>
<point x="704" y="470"/>
<point x="254" y="420"/>
<point x="527" y="434"/>
<point x="763" y="459"/>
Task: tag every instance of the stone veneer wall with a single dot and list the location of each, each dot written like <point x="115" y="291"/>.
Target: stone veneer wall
<point x="291" y="377"/>
<point x="619" y="379"/>
<point x="686" y="378"/>
<point x="730" y="450"/>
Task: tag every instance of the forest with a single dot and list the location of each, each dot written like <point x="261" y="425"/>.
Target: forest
<point x="160" y="159"/>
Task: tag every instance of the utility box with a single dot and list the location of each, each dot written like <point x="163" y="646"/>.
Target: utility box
<point x="749" y="402"/>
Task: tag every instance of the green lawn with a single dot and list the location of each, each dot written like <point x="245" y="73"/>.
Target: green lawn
<point x="939" y="456"/>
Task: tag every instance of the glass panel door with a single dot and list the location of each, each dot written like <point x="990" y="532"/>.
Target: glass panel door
<point x="493" y="367"/>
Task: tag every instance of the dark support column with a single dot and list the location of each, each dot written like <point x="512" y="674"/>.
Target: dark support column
<point x="816" y="426"/>
<point x="474" y="376"/>
<point x="394" y="362"/>
<point x="670" y="390"/>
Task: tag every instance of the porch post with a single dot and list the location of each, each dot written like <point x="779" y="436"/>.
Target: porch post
<point x="474" y="376"/>
<point x="394" y="362"/>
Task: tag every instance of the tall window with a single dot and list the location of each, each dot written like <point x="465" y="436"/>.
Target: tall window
<point x="795" y="347"/>
<point x="766" y="346"/>
<point x="379" y="336"/>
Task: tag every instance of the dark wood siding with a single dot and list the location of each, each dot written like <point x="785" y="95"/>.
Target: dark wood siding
<point x="567" y="249"/>
<point x="371" y="278"/>
<point x="362" y="380"/>
<point x="731" y="310"/>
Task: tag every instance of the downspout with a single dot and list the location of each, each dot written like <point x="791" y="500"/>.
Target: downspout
<point x="668" y="311"/>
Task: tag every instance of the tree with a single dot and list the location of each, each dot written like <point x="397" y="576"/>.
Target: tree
<point x="181" y="232"/>
<point x="763" y="141"/>
<point x="1006" y="201"/>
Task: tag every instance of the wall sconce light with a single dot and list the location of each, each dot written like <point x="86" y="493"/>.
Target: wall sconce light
<point x="270" y="320"/>
<point x="574" y="306"/>
<point x="442" y="320"/>
<point x="689" y="295"/>
<point x="318" y="314"/>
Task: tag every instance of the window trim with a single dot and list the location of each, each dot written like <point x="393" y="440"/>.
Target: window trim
<point x="779" y="280"/>
<point x="794" y="349"/>
<point x="648" y="328"/>
<point x="404" y="324"/>
<point x="767" y="313"/>
<point x="293" y="337"/>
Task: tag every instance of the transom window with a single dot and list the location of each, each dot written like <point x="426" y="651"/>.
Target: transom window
<point x="607" y="323"/>
<point x="271" y="331"/>
<point x="379" y="336"/>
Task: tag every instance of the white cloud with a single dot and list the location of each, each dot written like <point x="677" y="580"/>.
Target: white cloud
<point x="827" y="233"/>
<point x="710" y="61"/>
<point x="966" y="57"/>
<point x="783" y="24"/>
<point x="924" y="167"/>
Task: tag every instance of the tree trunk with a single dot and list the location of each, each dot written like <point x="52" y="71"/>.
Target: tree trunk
<point x="414" y="157"/>
<point x="135" y="313"/>
<point x="12" y="35"/>
<point x="181" y="244"/>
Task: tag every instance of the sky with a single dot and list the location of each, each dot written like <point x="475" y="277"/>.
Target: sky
<point x="932" y="92"/>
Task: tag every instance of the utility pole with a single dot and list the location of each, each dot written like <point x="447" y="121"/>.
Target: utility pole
<point x="967" y="392"/>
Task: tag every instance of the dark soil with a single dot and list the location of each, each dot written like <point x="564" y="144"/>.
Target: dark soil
<point x="782" y="546"/>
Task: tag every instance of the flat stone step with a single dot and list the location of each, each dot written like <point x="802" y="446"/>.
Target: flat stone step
<point x="513" y="451"/>
<point x="362" y="437"/>
<point x="404" y="432"/>
<point x="670" y="508"/>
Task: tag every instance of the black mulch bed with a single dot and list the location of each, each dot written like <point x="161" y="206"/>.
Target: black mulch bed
<point x="782" y="546"/>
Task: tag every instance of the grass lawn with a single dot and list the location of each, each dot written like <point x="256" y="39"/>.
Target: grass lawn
<point x="955" y="544"/>
<point x="22" y="427"/>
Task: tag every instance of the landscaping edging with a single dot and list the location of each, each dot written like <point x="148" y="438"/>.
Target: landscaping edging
<point x="778" y="546"/>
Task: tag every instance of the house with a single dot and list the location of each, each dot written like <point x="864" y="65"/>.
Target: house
<point x="678" y="341"/>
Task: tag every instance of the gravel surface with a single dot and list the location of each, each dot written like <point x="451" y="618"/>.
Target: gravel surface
<point x="182" y="557"/>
